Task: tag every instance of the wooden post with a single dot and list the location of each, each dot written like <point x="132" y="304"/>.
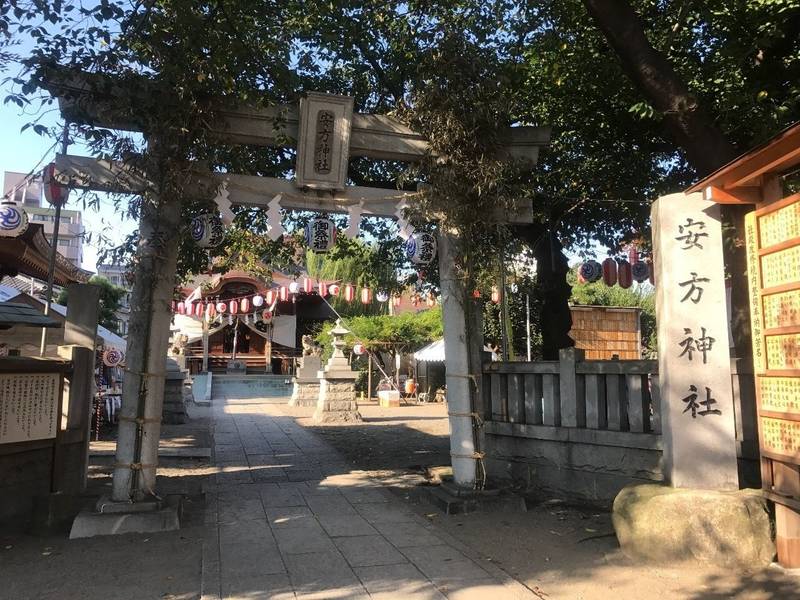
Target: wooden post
<point x="205" y="346"/>
<point x="143" y="388"/>
<point x="369" y="375"/>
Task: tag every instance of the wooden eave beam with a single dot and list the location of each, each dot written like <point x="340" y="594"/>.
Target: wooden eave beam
<point x="740" y="195"/>
<point x="778" y="155"/>
<point x="97" y="100"/>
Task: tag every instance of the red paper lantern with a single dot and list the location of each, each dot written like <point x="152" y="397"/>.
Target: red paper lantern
<point x="496" y="296"/>
<point x="269" y="297"/>
<point x="211" y="310"/>
<point x="198" y="310"/>
<point x="397" y="300"/>
<point x="349" y="292"/>
<point x="284" y="293"/>
<point x="366" y="295"/>
<point x="476" y="293"/>
<point x="233" y="307"/>
<point x="323" y="288"/>
<point x="624" y="275"/>
<point x="308" y="285"/>
<point x="244" y="305"/>
<point x="609" y="271"/>
<point x="181" y="308"/>
<point x="54" y="192"/>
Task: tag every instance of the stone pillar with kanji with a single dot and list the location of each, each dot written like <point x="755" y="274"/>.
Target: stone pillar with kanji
<point x="693" y="349"/>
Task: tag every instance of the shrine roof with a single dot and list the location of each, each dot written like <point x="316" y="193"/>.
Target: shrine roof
<point x="13" y="313"/>
<point x="777" y="155"/>
<point x="29" y="254"/>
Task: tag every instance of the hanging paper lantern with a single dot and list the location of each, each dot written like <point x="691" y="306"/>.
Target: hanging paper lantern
<point x="294" y="287"/>
<point x="476" y="294"/>
<point x="207" y="230"/>
<point x="54" y="192"/>
<point x="210" y="311"/>
<point x="320" y="234"/>
<point x="359" y="349"/>
<point x="113" y="357"/>
<point x="349" y="292"/>
<point x="496" y="294"/>
<point x="244" y="305"/>
<point x="382" y="296"/>
<point x="266" y="316"/>
<point x="308" y="285"/>
<point x="591" y="271"/>
<point x="181" y="308"/>
<point x="609" y="271"/>
<point x="640" y="271"/>
<point x="421" y="248"/>
<point x="334" y="289"/>
<point x="174" y="306"/>
<point x="270" y="297"/>
<point x="322" y="287"/>
<point x="233" y="307"/>
<point x="258" y="301"/>
<point x="431" y="301"/>
<point x="366" y="295"/>
<point x="397" y="300"/>
<point x="13" y="220"/>
<point x="633" y="255"/>
<point x="283" y="293"/>
<point x="624" y="276"/>
<point x="198" y="310"/>
<point x="222" y="308"/>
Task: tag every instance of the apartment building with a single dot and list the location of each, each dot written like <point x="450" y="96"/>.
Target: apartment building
<point x="116" y="275"/>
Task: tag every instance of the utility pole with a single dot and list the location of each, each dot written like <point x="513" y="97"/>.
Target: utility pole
<point x="528" y="323"/>
<point x="51" y="267"/>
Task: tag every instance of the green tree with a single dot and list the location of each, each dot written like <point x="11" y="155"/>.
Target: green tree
<point x="110" y="301"/>
<point x="389" y="334"/>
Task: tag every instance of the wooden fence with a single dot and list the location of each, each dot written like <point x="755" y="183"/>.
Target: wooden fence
<point x="595" y="394"/>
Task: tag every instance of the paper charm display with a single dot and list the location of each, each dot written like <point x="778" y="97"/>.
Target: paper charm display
<point x="223" y="203"/>
<point x="354" y="211"/>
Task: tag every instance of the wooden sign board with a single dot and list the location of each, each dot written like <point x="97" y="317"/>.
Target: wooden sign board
<point x="29" y="406"/>
<point x="773" y="259"/>
<point x="323" y="144"/>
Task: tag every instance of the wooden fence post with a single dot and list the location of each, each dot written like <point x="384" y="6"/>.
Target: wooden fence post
<point x="573" y="398"/>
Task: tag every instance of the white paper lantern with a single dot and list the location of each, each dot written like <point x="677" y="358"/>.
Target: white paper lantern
<point x="334" y="289"/>
<point x="13" y="220"/>
<point x="320" y="234"/>
<point x="207" y="230"/>
<point x="113" y="357"/>
<point x="258" y="301"/>
<point x="421" y="248"/>
<point x="382" y="296"/>
<point x="359" y="349"/>
<point x="294" y="287"/>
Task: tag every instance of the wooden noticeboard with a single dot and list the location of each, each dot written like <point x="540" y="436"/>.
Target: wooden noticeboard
<point x="773" y="260"/>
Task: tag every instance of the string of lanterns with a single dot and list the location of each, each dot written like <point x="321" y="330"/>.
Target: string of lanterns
<point x="245" y="305"/>
<point x="622" y="272"/>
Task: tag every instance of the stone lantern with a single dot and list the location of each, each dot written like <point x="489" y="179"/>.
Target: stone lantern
<point x="337" y="390"/>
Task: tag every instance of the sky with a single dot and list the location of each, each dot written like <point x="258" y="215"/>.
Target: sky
<point x="21" y="151"/>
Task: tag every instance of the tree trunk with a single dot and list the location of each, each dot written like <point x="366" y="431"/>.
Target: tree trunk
<point x="706" y="147"/>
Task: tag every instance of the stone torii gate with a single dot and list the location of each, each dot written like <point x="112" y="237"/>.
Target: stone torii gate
<point x="326" y="133"/>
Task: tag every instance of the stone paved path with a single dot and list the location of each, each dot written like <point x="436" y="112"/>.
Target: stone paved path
<point x="286" y="519"/>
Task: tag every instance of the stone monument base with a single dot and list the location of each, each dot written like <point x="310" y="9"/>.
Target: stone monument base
<point x="657" y="523"/>
<point x="337" y="402"/>
<point x="115" y="518"/>
<point x="305" y="393"/>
